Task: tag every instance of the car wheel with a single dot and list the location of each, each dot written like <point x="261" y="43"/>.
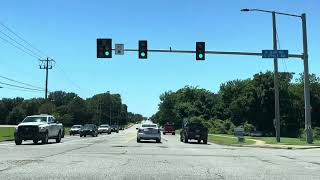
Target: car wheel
<point x="173" y="133"/>
<point x="185" y="139"/>
<point x="164" y="133"/>
<point x="205" y="141"/>
<point x="109" y="132"/>
<point x="80" y="135"/>
<point x="70" y="134"/>
<point x="58" y="139"/>
<point x="18" y="141"/>
<point x="199" y="141"/>
<point x="138" y="140"/>
<point x="181" y="140"/>
<point x="85" y="135"/>
<point x="35" y="141"/>
<point x="62" y="135"/>
<point x="158" y="141"/>
<point x="45" y="138"/>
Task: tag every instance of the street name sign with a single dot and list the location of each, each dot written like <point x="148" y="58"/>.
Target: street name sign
<point x="275" y="53"/>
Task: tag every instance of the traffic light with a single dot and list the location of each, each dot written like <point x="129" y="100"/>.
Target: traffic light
<point x="143" y="49"/>
<point x="200" y="50"/>
<point x="104" y="48"/>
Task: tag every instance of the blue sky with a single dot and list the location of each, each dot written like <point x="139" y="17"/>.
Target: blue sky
<point x="67" y="32"/>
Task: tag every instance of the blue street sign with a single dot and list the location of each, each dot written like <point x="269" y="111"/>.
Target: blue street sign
<point x="275" y="53"/>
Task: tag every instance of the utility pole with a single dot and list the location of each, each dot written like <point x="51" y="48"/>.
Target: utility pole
<point x="276" y="79"/>
<point x="46" y="64"/>
<point x="109" y="107"/>
<point x="307" y="113"/>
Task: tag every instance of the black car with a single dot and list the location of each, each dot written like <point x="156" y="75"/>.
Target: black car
<point x="115" y="128"/>
<point x="89" y="129"/>
<point x="194" y="130"/>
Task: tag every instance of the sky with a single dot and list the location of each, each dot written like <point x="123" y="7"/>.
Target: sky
<point x="66" y="31"/>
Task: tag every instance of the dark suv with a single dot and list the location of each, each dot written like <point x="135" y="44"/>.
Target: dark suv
<point x="89" y="129"/>
<point x="194" y="130"/>
<point x="115" y="128"/>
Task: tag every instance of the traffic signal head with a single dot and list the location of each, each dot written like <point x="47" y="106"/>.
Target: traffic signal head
<point x="104" y="48"/>
<point x="143" y="49"/>
<point x="200" y="50"/>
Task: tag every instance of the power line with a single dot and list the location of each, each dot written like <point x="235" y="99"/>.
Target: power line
<point x="10" y="30"/>
<point x="34" y="53"/>
<point x="24" y="90"/>
<point x="20" y="87"/>
<point x="19" y="82"/>
<point x="19" y="48"/>
<point x="65" y="74"/>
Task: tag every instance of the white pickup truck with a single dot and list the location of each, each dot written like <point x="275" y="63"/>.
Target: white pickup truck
<point x="39" y="128"/>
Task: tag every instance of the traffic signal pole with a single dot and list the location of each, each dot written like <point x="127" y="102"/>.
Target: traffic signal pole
<point x="209" y="52"/>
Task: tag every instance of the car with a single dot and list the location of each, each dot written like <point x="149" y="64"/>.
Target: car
<point x="75" y="129"/>
<point x="148" y="132"/>
<point x="121" y="127"/>
<point x="169" y="128"/>
<point x="115" y="128"/>
<point x="38" y="128"/>
<point x="194" y="130"/>
<point x="89" y="129"/>
<point x="104" y="128"/>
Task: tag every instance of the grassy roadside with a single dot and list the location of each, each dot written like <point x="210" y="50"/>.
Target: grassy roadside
<point x="227" y="140"/>
<point x="66" y="130"/>
<point x="6" y="133"/>
<point x="285" y="141"/>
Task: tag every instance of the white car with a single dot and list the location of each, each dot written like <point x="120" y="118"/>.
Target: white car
<point x="148" y="132"/>
<point x="38" y="128"/>
<point x="75" y="129"/>
<point x="104" y="128"/>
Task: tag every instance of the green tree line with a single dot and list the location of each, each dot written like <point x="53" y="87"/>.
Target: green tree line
<point x="69" y="109"/>
<point x="248" y="103"/>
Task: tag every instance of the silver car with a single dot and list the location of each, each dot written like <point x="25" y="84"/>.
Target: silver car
<point x="148" y="132"/>
<point x="104" y="128"/>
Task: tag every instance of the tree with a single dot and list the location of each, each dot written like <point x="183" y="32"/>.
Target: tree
<point x="16" y="115"/>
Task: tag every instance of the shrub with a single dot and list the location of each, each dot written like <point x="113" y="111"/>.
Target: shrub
<point x="315" y="133"/>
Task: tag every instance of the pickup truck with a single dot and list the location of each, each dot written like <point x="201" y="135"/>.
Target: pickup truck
<point x="194" y="130"/>
<point x="38" y="128"/>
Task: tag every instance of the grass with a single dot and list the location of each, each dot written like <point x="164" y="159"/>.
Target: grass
<point x="231" y="140"/>
<point x="6" y="133"/>
<point x="285" y="141"/>
<point x="66" y="130"/>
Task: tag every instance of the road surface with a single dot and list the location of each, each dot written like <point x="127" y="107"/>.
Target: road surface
<point x="119" y="156"/>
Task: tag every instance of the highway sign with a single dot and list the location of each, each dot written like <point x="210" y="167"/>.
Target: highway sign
<point x="119" y="48"/>
<point x="275" y="53"/>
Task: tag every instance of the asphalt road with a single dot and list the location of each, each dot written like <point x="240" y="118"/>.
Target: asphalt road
<point x="119" y="156"/>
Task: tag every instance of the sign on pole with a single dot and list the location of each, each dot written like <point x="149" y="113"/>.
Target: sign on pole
<point x="119" y="48"/>
<point x="275" y="53"/>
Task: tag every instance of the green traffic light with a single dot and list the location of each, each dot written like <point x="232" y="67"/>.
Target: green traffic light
<point x="143" y="54"/>
<point x="106" y="53"/>
<point x="200" y="55"/>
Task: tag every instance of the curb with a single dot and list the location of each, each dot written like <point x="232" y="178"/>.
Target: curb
<point x="276" y="147"/>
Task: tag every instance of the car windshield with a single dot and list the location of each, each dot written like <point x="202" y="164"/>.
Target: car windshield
<point x="35" y="119"/>
<point x="88" y="126"/>
<point x="76" y="126"/>
<point x="103" y="126"/>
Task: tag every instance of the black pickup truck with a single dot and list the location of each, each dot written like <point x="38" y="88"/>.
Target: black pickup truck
<point x="194" y="130"/>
